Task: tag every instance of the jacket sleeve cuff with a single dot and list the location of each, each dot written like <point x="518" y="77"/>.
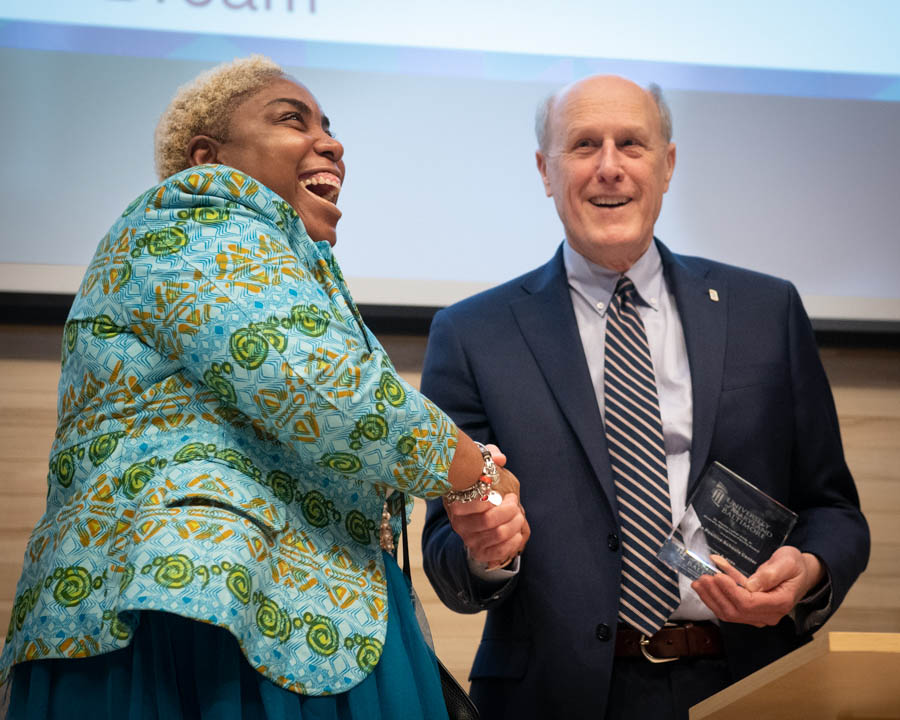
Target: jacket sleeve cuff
<point x="811" y="612"/>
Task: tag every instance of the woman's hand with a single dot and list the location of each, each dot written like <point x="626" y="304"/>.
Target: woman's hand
<point x="493" y="534"/>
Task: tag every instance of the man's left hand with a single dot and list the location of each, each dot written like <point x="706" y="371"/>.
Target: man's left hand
<point x="766" y="596"/>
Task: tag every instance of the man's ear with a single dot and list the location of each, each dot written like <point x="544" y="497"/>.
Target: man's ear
<point x="203" y="149"/>
<point x="542" y="169"/>
<point x="670" y="164"/>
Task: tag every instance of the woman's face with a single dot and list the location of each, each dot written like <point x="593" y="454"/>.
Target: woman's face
<point x="280" y="137"/>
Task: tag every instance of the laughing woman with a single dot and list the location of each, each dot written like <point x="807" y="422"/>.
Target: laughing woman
<point x="229" y="436"/>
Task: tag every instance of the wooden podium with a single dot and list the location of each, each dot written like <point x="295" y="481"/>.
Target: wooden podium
<point x="839" y="675"/>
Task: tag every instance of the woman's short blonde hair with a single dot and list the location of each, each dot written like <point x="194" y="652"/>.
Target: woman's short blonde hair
<point x="204" y="106"/>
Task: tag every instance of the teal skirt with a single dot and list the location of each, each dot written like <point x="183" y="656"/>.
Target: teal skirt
<point x="180" y="669"/>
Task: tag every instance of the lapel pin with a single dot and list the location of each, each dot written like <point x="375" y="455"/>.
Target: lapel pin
<point x="713" y="295"/>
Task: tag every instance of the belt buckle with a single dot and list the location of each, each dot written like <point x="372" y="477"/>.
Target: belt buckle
<point x="644" y="643"/>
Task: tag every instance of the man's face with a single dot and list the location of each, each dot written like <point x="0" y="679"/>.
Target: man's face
<point x="607" y="166"/>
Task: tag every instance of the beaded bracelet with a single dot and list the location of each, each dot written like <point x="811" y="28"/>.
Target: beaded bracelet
<point x="481" y="490"/>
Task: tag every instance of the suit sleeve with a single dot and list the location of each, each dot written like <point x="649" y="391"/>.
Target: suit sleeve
<point x="831" y="525"/>
<point x="448" y="380"/>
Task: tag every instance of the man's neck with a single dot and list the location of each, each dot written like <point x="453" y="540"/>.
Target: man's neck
<point x="619" y="259"/>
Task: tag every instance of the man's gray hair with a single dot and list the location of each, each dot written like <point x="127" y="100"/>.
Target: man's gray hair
<point x="545" y="108"/>
<point x="665" y="114"/>
<point x="542" y="120"/>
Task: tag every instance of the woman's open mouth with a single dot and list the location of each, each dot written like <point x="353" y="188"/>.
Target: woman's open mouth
<point x="325" y="185"/>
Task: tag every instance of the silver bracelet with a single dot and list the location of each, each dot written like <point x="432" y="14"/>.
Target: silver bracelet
<point x="482" y="488"/>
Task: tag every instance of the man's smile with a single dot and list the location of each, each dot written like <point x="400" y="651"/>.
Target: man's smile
<point x="609" y="202"/>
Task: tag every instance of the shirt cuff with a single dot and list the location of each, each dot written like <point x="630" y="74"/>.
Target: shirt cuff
<point x="479" y="570"/>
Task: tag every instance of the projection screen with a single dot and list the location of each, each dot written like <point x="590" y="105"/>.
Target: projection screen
<point x="786" y="115"/>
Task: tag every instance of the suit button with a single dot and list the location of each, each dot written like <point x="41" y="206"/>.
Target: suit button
<point x="612" y="542"/>
<point x="603" y="632"/>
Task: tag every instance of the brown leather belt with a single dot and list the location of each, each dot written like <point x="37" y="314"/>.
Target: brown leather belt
<point x="672" y="641"/>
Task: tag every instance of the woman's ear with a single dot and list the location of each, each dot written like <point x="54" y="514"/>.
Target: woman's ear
<point x="203" y="149"/>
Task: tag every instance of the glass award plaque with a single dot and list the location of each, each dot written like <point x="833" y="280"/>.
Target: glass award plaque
<point x="739" y="522"/>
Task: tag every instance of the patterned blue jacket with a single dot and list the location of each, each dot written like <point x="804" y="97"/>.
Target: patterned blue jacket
<point x="228" y="429"/>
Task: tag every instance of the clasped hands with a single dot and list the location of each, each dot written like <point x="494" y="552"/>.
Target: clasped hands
<point x="767" y="595"/>
<point x="493" y="534"/>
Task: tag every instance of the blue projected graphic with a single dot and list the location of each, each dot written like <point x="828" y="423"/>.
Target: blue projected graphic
<point x="513" y="67"/>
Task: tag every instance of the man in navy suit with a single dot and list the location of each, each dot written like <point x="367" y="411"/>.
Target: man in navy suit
<point x="739" y="381"/>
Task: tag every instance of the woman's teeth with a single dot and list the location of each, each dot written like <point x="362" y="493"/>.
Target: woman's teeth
<point x="323" y="185"/>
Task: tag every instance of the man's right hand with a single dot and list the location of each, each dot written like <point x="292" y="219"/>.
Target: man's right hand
<point x="493" y="534"/>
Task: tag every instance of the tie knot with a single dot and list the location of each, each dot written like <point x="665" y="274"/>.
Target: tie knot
<point x="625" y="289"/>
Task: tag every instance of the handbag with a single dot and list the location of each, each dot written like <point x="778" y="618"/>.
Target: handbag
<point x="459" y="704"/>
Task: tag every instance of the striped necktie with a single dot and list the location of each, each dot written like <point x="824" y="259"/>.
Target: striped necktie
<point x="637" y="455"/>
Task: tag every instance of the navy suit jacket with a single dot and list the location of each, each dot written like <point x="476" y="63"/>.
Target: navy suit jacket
<point x="509" y="368"/>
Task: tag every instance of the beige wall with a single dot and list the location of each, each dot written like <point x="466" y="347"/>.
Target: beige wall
<point x="866" y="385"/>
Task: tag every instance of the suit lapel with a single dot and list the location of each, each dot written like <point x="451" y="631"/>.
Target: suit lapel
<point x="702" y="300"/>
<point x="547" y="322"/>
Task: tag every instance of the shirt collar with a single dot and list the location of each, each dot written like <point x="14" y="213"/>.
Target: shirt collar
<point x="596" y="284"/>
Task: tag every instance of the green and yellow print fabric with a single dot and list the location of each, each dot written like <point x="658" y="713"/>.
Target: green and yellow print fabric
<point x="228" y="430"/>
